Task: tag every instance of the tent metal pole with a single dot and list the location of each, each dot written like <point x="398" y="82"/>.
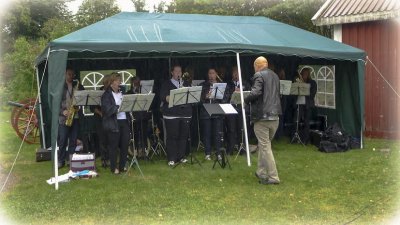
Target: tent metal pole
<point x="40" y="108"/>
<point x="246" y="138"/>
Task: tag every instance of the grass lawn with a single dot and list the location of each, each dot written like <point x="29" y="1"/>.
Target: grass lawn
<point x="316" y="188"/>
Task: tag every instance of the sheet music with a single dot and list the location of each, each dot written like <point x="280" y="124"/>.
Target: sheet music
<point x="136" y="102"/>
<point x="285" y="86"/>
<point x="181" y="95"/>
<point x="177" y="96"/>
<point x="88" y="97"/>
<point x="197" y="82"/>
<point x="235" y="99"/>
<point x="220" y="87"/>
<point x="300" y="89"/>
<point x="146" y="86"/>
<point x="228" y="109"/>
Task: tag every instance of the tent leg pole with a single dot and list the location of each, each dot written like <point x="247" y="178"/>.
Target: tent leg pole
<point x="243" y="111"/>
<point x="40" y="109"/>
<point x="56" y="166"/>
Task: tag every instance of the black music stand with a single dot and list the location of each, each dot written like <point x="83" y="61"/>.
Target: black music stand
<point x="221" y="109"/>
<point x="301" y="90"/>
<point x="135" y="103"/>
<point x="183" y="96"/>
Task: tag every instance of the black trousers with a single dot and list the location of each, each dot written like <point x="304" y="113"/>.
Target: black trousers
<point x="118" y="140"/>
<point x="234" y="126"/>
<point x="305" y="117"/>
<point x="177" y="137"/>
<point x="212" y="133"/>
<point x="141" y="133"/>
<point x="67" y="138"/>
<point x="101" y="140"/>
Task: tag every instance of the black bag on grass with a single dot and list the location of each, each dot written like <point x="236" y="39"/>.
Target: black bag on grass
<point x="334" y="140"/>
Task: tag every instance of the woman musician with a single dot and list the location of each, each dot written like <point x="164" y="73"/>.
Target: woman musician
<point x="212" y="125"/>
<point x="115" y="124"/>
<point x="176" y="119"/>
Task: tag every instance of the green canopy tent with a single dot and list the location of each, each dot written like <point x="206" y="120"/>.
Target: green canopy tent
<point x="139" y="35"/>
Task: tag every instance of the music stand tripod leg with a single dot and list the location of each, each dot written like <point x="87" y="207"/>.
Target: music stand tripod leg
<point x="134" y="159"/>
<point x="241" y="147"/>
<point x="296" y="135"/>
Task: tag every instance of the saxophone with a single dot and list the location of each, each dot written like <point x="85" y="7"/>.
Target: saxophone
<point x="72" y="109"/>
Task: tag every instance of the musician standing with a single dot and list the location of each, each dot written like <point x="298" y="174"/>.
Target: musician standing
<point x="306" y="109"/>
<point x="212" y="125"/>
<point x="176" y="119"/>
<point x="234" y="122"/>
<point x="115" y="124"/>
<point x="67" y="133"/>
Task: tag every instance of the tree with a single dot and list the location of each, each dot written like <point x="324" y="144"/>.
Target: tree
<point x="21" y="61"/>
<point x="297" y="13"/>
<point x="139" y="5"/>
<point x="92" y="11"/>
<point x="293" y="12"/>
<point x="27" y="17"/>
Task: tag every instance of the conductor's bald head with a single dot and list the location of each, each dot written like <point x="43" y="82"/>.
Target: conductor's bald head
<point x="260" y="63"/>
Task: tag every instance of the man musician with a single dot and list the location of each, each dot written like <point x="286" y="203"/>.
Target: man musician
<point x="176" y="119"/>
<point x="68" y="124"/>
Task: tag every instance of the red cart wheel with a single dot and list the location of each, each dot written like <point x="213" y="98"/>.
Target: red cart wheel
<point x="22" y="125"/>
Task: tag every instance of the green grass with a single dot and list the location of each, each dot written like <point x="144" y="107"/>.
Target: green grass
<point x="316" y="188"/>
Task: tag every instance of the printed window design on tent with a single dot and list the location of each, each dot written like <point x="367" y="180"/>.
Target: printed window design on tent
<point x="324" y="76"/>
<point x="93" y="80"/>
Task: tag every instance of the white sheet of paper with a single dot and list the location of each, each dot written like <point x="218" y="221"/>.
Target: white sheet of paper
<point x="228" y="108"/>
<point x="146" y="86"/>
<point x="285" y="87"/>
<point x="220" y="87"/>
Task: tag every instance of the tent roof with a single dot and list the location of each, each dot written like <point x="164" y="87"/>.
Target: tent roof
<point x="131" y="32"/>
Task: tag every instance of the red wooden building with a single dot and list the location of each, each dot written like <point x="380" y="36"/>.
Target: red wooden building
<point x="374" y="26"/>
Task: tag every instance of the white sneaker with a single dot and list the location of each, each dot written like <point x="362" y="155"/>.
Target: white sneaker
<point x="184" y="160"/>
<point x="208" y="157"/>
<point x="219" y="157"/>
<point x="171" y="163"/>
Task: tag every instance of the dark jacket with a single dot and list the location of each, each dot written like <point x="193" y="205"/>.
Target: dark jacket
<point x="204" y="91"/>
<point x="109" y="110"/>
<point x="310" y="103"/>
<point x="264" y="96"/>
<point x="176" y="111"/>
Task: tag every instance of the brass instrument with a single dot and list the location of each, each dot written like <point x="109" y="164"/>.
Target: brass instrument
<point x="72" y="109"/>
<point x="219" y="79"/>
<point x="186" y="77"/>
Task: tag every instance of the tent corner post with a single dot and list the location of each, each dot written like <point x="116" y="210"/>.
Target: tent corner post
<point x="243" y="111"/>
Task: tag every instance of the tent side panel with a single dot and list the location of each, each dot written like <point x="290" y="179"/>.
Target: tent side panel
<point x="57" y="65"/>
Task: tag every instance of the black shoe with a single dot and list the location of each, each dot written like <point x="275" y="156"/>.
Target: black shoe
<point x="268" y="181"/>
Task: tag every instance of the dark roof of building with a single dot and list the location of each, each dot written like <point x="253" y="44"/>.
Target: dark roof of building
<point x="353" y="11"/>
